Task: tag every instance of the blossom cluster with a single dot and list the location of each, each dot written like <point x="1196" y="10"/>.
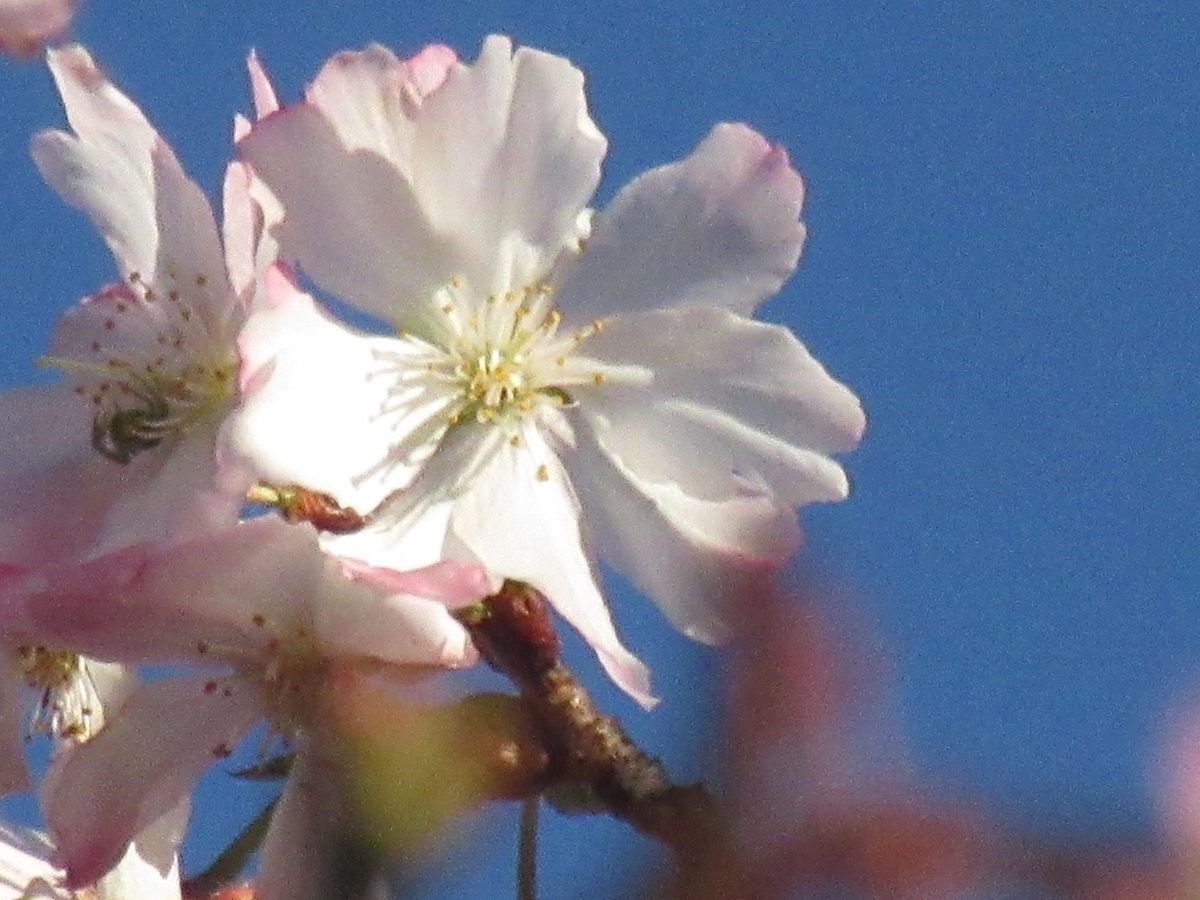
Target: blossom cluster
<point x="548" y="386"/>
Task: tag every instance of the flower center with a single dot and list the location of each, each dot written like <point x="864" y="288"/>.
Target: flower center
<point x="148" y="365"/>
<point x="68" y="706"/>
<point x="501" y="357"/>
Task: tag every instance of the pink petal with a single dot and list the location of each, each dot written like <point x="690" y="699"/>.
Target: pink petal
<point x="223" y="598"/>
<point x="718" y="228"/>
<point x="453" y="583"/>
<point x="26" y="24"/>
<point x="141" y="766"/>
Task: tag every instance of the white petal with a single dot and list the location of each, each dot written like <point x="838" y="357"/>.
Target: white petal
<point x="322" y="405"/>
<point x="424" y="185"/>
<point x="719" y="228"/>
<point x="504" y="151"/>
<point x="299" y="859"/>
<point x="140" y="767"/>
<point x="118" y="170"/>
<point x="386" y="255"/>
<point x="519" y="516"/>
<point x="149" y="868"/>
<point x="367" y="96"/>
<point x="265" y="101"/>
<point x="691" y="556"/>
<point x="736" y="406"/>
<point x="300" y="856"/>
<point x="26" y="872"/>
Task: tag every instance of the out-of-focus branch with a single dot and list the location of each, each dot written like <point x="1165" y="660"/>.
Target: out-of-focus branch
<point x="230" y="861"/>
<point x="586" y="749"/>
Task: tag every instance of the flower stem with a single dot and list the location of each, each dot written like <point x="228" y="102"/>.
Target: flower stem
<point x="587" y="749"/>
<point x="527" y="850"/>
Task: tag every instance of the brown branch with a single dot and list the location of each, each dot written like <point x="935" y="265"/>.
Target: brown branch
<point x="588" y="750"/>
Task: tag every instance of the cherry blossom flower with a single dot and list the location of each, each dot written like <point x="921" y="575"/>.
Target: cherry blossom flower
<point x="552" y="375"/>
<point x="123" y="449"/>
<point x="256" y="601"/>
<point x="26" y="24"/>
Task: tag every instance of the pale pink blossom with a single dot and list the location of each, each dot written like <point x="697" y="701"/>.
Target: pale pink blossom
<point x="123" y="449"/>
<point x="264" y="611"/>
<point x="553" y="375"/>
<point x="26" y="24"/>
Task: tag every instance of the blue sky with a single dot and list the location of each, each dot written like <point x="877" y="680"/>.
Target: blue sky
<point x="1003" y="207"/>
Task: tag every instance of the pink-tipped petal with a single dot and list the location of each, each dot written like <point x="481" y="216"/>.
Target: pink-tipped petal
<point x="719" y="228"/>
<point x="430" y="169"/>
<point x="385" y="249"/>
<point x="242" y="227"/>
<point x="399" y="629"/>
<point x="453" y="583"/>
<point x="487" y="143"/>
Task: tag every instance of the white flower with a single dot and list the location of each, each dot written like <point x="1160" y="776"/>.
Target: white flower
<point x="552" y="376"/>
<point x="124" y="450"/>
